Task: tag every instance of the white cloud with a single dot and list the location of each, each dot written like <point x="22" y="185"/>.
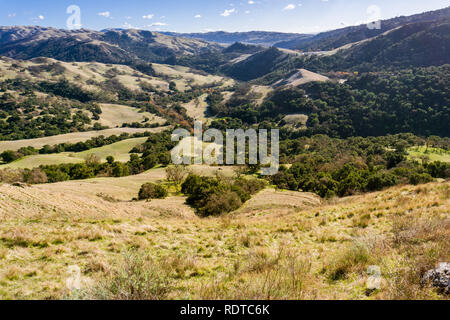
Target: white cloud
<point x="41" y="17"/>
<point x="128" y="26"/>
<point x="251" y="2"/>
<point x="11" y="15"/>
<point x="158" y="24"/>
<point x="289" y="7"/>
<point x="148" y="16"/>
<point x="197" y="16"/>
<point x="105" y="14"/>
<point x="227" y="12"/>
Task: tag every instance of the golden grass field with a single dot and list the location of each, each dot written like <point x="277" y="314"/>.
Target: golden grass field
<point x="114" y="115"/>
<point x="119" y="150"/>
<point x="84" y="72"/>
<point x="279" y="245"/>
<point x="196" y="108"/>
<point x="71" y="138"/>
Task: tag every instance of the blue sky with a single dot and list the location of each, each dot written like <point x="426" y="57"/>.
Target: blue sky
<point x="302" y="16"/>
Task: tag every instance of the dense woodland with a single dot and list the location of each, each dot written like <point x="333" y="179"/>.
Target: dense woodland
<point x="370" y="104"/>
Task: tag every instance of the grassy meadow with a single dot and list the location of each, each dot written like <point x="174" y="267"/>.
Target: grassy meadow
<point x="119" y="150"/>
<point x="279" y="245"/>
<point x="432" y="154"/>
<point x="70" y="138"/>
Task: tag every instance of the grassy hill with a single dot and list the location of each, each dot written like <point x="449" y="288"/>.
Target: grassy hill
<point x="302" y="247"/>
<point x="108" y="46"/>
<point x="330" y="40"/>
<point x="69" y="138"/>
<point x="119" y="150"/>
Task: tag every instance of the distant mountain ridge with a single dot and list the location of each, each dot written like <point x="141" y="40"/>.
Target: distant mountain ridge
<point x="337" y="38"/>
<point x="264" y="38"/>
<point x="323" y="41"/>
<point x="108" y="46"/>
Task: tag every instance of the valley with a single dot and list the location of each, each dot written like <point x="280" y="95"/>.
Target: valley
<point x="88" y="181"/>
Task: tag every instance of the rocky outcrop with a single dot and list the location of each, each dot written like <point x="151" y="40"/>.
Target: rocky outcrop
<point x="438" y="278"/>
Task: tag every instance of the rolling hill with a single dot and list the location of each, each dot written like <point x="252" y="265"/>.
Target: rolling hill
<point x="109" y="46"/>
<point x="295" y="237"/>
<point x="263" y="38"/>
<point x="337" y="38"/>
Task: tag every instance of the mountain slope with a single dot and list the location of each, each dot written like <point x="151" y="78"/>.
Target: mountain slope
<point x="337" y="38"/>
<point x="108" y="46"/>
<point x="253" y="37"/>
<point x="257" y="65"/>
<point x="414" y="45"/>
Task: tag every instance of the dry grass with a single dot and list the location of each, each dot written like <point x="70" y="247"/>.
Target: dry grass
<point x="302" y="250"/>
<point x="119" y="150"/>
<point x="114" y="115"/>
<point x="70" y="138"/>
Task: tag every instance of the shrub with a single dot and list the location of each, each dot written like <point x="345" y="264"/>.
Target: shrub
<point x="356" y="255"/>
<point x="176" y="174"/>
<point x="419" y="178"/>
<point x="152" y="191"/>
<point x="380" y="181"/>
<point x="11" y="175"/>
<point x="438" y="169"/>
<point x="213" y="196"/>
<point x="92" y="160"/>
<point x="10" y="156"/>
<point x="138" y="278"/>
<point x="149" y="162"/>
<point x="35" y="176"/>
<point x="219" y="203"/>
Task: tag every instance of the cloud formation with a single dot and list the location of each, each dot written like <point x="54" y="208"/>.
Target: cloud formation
<point x="228" y="12"/>
<point x="105" y="14"/>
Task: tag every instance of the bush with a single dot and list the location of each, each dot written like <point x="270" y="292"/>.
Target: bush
<point x="138" y="278"/>
<point x="11" y="176"/>
<point x="380" y="181"/>
<point x="35" y="176"/>
<point x="10" y="156"/>
<point x="355" y="256"/>
<point x="438" y="169"/>
<point x="176" y="174"/>
<point x="152" y="191"/>
<point x="213" y="196"/>
<point x="419" y="178"/>
<point x="219" y="203"/>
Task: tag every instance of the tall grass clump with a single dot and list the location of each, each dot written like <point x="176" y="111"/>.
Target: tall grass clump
<point x="138" y="277"/>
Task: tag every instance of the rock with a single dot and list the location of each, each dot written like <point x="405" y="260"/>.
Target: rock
<point x="20" y="185"/>
<point x="439" y="278"/>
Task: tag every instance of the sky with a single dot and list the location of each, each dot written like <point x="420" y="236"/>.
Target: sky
<point x="299" y="16"/>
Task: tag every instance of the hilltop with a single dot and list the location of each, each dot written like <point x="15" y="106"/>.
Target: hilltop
<point x="108" y="46"/>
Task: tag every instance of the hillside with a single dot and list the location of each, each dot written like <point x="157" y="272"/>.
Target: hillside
<point x="256" y="65"/>
<point x="46" y="97"/>
<point x="253" y="37"/>
<point x="422" y="44"/>
<point x="330" y="40"/>
<point x="414" y="45"/>
<point x="327" y="245"/>
<point x="109" y="46"/>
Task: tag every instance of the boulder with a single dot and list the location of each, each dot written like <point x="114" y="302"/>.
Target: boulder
<point x="438" y="278"/>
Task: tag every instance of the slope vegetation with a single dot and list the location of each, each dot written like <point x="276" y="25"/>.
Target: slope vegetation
<point x="326" y="248"/>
